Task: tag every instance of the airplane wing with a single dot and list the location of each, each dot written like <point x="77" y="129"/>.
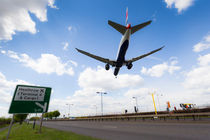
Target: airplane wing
<point x="140" y="26"/>
<point x="118" y="27"/>
<point x="142" y="56"/>
<point x="105" y="60"/>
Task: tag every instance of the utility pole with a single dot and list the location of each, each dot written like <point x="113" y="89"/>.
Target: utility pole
<point x="69" y="109"/>
<point x="136" y="104"/>
<point x="154" y="103"/>
<point x="101" y="101"/>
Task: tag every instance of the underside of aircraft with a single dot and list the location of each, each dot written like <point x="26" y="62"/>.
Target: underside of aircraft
<point x="126" y="31"/>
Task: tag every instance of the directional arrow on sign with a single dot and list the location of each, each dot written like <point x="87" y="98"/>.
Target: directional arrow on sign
<point x="44" y="107"/>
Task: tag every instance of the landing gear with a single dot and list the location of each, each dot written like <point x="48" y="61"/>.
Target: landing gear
<point x="129" y="65"/>
<point x="107" y="66"/>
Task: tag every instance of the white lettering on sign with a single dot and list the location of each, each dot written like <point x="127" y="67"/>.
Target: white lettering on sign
<point x="29" y="94"/>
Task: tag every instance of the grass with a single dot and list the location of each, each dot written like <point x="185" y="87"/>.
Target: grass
<point x="25" y="132"/>
<point x="3" y="125"/>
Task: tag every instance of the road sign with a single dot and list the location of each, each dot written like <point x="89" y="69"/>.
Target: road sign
<point x="30" y="99"/>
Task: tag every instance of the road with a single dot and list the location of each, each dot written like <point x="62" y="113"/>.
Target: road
<point x="125" y="130"/>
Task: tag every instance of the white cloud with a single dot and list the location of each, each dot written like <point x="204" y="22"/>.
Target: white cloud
<point x="93" y="80"/>
<point x="160" y="69"/>
<point x="47" y="63"/>
<point x="179" y="4"/>
<point x="120" y="94"/>
<point x="7" y="88"/>
<point x="73" y="62"/>
<point x="137" y="92"/>
<point x="204" y="60"/>
<point x="203" y="45"/>
<point x="199" y="77"/>
<point x="3" y="52"/>
<point x="51" y="4"/>
<point x="65" y="46"/>
<point x="69" y="28"/>
<point x="100" y="78"/>
<point x="15" y="16"/>
<point x="207" y="38"/>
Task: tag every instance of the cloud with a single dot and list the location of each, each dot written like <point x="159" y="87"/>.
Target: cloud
<point x="73" y="62"/>
<point x="179" y="4"/>
<point x="7" y="88"/>
<point x="120" y="92"/>
<point x="70" y="28"/>
<point x="3" y="52"/>
<point x="92" y="80"/>
<point x="105" y="80"/>
<point x="15" y="16"/>
<point x="137" y="92"/>
<point x="203" y="45"/>
<point x="199" y="77"/>
<point x="160" y="69"/>
<point x="65" y="46"/>
<point x="47" y="63"/>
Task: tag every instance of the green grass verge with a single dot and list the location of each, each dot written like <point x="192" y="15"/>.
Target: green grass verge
<point x="25" y="132"/>
<point x="3" y="125"/>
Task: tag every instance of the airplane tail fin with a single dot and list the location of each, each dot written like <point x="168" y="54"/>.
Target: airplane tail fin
<point x="118" y="27"/>
<point x="126" y="19"/>
<point x="122" y="29"/>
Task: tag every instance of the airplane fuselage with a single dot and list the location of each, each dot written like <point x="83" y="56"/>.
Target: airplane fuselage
<point x="126" y="31"/>
<point x="123" y="46"/>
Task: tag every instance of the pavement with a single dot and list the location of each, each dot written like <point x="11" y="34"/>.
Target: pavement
<point x="128" y="130"/>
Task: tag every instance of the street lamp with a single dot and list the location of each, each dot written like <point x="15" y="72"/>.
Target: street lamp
<point x="69" y="109"/>
<point x="101" y="101"/>
<point x="136" y="104"/>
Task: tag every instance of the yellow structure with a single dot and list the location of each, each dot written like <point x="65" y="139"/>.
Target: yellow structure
<point x="154" y="103"/>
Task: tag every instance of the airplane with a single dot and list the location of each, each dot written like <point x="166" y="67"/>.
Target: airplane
<point x="126" y="31"/>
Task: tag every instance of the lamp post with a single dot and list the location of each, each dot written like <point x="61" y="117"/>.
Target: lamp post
<point x="101" y="101"/>
<point x="136" y="104"/>
<point x="69" y="109"/>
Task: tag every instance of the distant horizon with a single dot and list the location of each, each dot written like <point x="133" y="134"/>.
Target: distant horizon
<point x="38" y="41"/>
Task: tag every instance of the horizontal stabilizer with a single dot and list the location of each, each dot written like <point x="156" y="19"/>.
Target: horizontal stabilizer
<point x="140" y="26"/>
<point x="118" y="27"/>
<point x="144" y="55"/>
<point x="105" y="60"/>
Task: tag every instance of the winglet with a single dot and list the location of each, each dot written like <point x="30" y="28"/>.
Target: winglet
<point x="162" y="47"/>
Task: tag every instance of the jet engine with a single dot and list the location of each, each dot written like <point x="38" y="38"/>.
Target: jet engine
<point x="107" y="67"/>
<point x="129" y="65"/>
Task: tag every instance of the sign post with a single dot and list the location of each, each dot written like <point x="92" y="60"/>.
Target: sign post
<point x="10" y="126"/>
<point x="30" y="99"/>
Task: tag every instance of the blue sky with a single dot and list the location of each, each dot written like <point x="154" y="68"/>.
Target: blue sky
<point x="32" y="52"/>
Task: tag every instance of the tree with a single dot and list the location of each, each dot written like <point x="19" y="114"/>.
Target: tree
<point x="46" y="115"/>
<point x="56" y="114"/>
<point x="50" y="115"/>
<point x="34" y="118"/>
<point x="20" y="117"/>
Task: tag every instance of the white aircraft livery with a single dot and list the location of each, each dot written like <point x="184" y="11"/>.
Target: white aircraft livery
<point x="126" y="31"/>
